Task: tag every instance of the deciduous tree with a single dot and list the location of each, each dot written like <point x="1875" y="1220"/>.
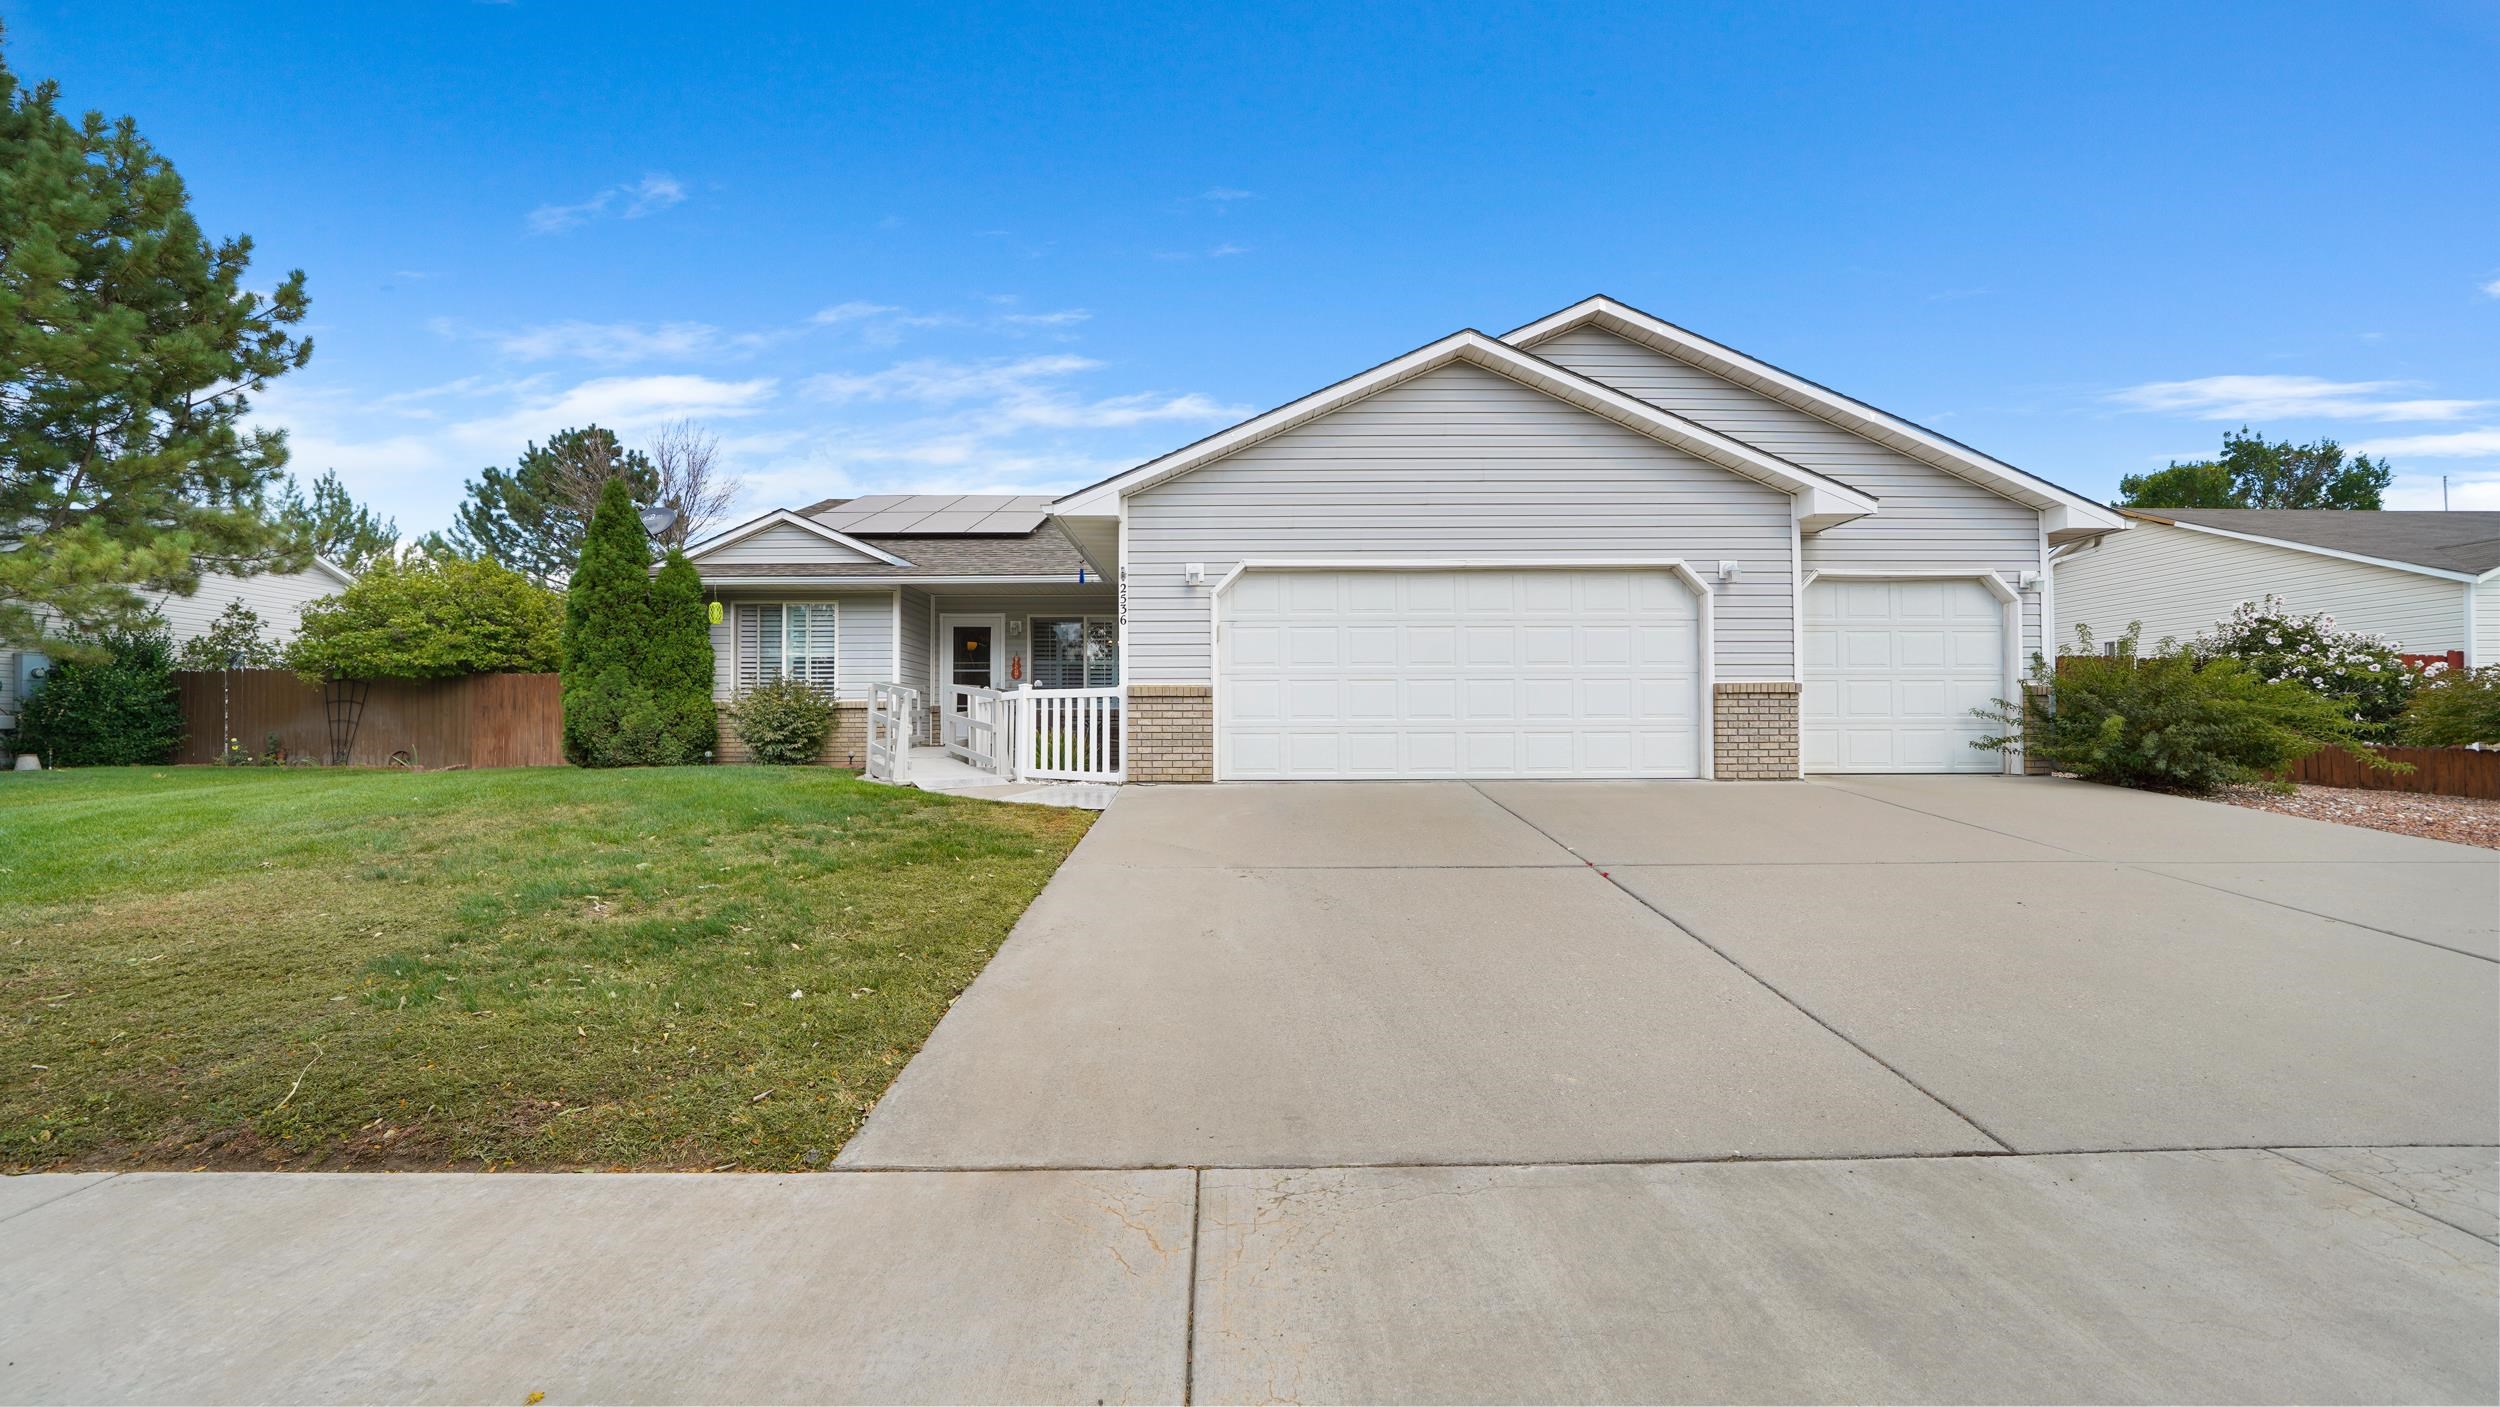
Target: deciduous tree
<point x="2254" y="472"/>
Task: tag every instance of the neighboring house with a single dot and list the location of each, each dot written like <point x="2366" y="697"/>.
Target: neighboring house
<point x="2428" y="581"/>
<point x="279" y="597"/>
<point x="1601" y="546"/>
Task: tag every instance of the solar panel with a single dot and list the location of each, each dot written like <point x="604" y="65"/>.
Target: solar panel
<point x="937" y="514"/>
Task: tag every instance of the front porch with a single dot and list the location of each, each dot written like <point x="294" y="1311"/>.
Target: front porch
<point x="1051" y="747"/>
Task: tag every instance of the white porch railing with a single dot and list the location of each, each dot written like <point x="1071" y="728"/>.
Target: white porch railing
<point x="893" y="710"/>
<point x="977" y="728"/>
<point x="1075" y="735"/>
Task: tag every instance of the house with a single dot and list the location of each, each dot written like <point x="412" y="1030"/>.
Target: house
<point x="2428" y="581"/>
<point x="279" y="598"/>
<point x="1600" y="546"/>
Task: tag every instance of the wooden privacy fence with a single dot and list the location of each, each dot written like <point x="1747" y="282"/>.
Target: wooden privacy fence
<point x="2441" y="771"/>
<point x="483" y="720"/>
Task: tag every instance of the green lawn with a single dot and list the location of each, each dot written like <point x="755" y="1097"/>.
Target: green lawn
<point x="675" y="968"/>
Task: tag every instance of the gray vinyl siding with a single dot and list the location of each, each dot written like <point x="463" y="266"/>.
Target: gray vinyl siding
<point x="780" y="543"/>
<point x="863" y="651"/>
<point x="1459" y="462"/>
<point x="1929" y="520"/>
<point x="919" y="634"/>
<point x="2179" y="583"/>
<point x="2486" y="648"/>
<point x="278" y="597"/>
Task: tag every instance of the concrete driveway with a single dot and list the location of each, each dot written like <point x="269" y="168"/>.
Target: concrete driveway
<point x="1915" y="1089"/>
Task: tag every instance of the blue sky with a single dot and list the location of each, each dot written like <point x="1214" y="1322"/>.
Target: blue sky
<point x="881" y="248"/>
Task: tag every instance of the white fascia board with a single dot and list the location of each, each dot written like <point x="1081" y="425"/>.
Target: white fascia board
<point x="1854" y="416"/>
<point x="1476" y="349"/>
<point x="783" y="517"/>
<point x="882" y="583"/>
<point x="342" y="574"/>
<point x="2314" y="550"/>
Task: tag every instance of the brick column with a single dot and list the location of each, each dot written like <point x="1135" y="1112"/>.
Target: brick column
<point x="1171" y="733"/>
<point x="1753" y="729"/>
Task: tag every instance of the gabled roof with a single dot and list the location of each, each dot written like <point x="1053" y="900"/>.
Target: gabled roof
<point x="1821" y="500"/>
<point x="2458" y="545"/>
<point x="2071" y="514"/>
<point x="783" y="517"/>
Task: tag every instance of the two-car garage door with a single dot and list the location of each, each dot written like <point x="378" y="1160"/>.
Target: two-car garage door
<point x="1430" y="673"/>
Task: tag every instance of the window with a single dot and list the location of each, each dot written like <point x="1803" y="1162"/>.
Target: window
<point x="1076" y="652"/>
<point x="791" y="641"/>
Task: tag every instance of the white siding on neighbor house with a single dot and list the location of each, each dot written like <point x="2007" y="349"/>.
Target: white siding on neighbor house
<point x="2486" y="647"/>
<point x="279" y="598"/>
<point x="2179" y="583"/>
<point x="781" y="543"/>
<point x="1929" y="520"/>
<point x="1459" y="462"/>
<point x="864" y="646"/>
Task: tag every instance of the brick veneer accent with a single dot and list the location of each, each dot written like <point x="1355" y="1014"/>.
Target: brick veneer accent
<point x="1171" y="733"/>
<point x="845" y="746"/>
<point x="1753" y="731"/>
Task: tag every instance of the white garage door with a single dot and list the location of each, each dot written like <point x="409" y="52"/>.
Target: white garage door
<point x="1531" y="673"/>
<point x="1893" y="669"/>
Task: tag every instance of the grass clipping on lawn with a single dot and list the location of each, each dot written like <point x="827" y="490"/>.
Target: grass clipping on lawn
<point x="664" y="968"/>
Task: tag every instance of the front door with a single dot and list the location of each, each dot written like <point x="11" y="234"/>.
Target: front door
<point x="972" y="645"/>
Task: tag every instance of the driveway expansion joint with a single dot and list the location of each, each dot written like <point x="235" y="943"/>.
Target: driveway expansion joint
<point x="1981" y="1129"/>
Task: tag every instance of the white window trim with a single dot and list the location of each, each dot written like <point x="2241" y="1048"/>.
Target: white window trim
<point x="1705" y="646"/>
<point x="1032" y="635"/>
<point x="737" y="672"/>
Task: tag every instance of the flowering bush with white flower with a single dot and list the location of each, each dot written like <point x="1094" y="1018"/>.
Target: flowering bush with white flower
<point x="2359" y="670"/>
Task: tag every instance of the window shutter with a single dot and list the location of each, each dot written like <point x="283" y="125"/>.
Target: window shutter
<point x="747" y="646"/>
<point x="823" y="647"/>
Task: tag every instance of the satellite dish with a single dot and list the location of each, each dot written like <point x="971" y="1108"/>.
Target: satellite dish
<point x="656" y="521"/>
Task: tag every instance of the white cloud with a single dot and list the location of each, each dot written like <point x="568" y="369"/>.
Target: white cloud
<point x="2492" y="289"/>
<point x="841" y="313"/>
<point x="2456" y="444"/>
<point x="1227" y="250"/>
<point x="655" y="192"/>
<point x="621" y="342"/>
<point x="1221" y="196"/>
<point x="1065" y="317"/>
<point x="934" y="382"/>
<point x="2266" y="397"/>
<point x="2472" y="490"/>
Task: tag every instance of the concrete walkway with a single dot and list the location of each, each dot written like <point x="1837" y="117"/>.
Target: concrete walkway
<point x="1901" y="1089"/>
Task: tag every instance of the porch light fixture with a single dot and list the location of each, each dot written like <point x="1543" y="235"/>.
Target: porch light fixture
<point x="1727" y="570"/>
<point x="2031" y="581"/>
<point x="1195" y="574"/>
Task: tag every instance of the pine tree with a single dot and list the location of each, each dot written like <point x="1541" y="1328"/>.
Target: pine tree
<point x="129" y="349"/>
<point x="631" y="697"/>
<point x="534" y="516"/>
<point x="679" y="661"/>
<point x="335" y="526"/>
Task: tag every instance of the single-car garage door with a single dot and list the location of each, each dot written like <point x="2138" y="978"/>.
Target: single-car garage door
<point x="1893" y="670"/>
<point x="1420" y="673"/>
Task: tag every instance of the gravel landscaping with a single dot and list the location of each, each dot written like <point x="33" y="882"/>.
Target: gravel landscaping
<point x="2465" y="820"/>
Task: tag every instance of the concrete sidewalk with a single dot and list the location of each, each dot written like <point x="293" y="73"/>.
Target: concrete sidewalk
<point x="2133" y="1277"/>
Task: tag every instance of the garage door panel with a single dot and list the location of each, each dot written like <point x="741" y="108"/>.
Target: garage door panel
<point x="1534" y="672"/>
<point x="1488" y="646"/>
<point x="1546" y="646"/>
<point x="1893" y="669"/>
